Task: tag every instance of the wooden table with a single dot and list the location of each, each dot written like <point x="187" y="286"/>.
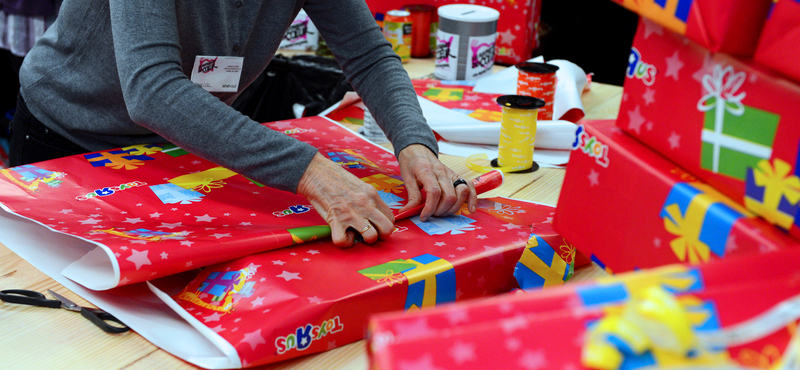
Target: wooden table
<point x="32" y="337"/>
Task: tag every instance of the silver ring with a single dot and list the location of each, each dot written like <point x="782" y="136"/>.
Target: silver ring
<point x="459" y="182"/>
<point x="369" y="225"/>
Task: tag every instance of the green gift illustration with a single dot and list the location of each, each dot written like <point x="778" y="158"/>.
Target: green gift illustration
<point x="735" y="136"/>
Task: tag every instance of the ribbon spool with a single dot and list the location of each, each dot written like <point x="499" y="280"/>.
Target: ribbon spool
<point x="538" y="80"/>
<point x="517" y="136"/>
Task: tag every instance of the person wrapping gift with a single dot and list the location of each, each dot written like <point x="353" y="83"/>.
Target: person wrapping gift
<point x="115" y="73"/>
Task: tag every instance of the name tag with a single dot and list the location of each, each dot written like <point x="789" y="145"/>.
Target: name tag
<point x="217" y="74"/>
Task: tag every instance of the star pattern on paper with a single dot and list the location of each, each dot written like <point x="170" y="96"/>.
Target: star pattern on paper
<point x="462" y="352"/>
<point x="649" y="96"/>
<point x="507" y="37"/>
<point x="510" y="226"/>
<point x="257" y="302"/>
<point x="651" y="27"/>
<point x="495" y="256"/>
<point x="278" y="262"/>
<point x="423" y="363"/>
<point x="635" y="120"/>
<point x="731" y="244"/>
<point x="657" y="242"/>
<point x="245" y="223"/>
<point x="481" y="237"/>
<point x="213" y="317"/>
<point x="593" y="177"/>
<point x="253" y="339"/>
<point x="204" y="218"/>
<point x="155" y="215"/>
<point x="533" y="360"/>
<point x="457" y="316"/>
<point x="65" y="211"/>
<point x="286" y="275"/>
<point x="164" y="255"/>
<point x="412" y="327"/>
<point x="170" y="226"/>
<point x="312" y="252"/>
<point x="89" y="221"/>
<point x="133" y="220"/>
<point x="440" y="244"/>
<point x="139" y="258"/>
<point x="187" y="243"/>
<point x="513" y="344"/>
<point x="314" y="299"/>
<point x="674" y="65"/>
<point x="674" y="140"/>
<point x="221" y="235"/>
<point x="513" y="324"/>
<point x="282" y="125"/>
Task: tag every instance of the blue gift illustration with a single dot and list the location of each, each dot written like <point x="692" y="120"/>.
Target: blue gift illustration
<point x="431" y="280"/>
<point x="702" y="220"/>
<point x="540" y="265"/>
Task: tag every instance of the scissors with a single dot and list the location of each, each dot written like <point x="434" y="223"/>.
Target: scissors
<point x="96" y="316"/>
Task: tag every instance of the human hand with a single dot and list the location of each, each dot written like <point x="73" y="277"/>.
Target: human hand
<point x="419" y="167"/>
<point x="344" y="201"/>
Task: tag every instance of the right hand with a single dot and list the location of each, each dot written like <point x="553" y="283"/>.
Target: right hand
<point x="344" y="201"/>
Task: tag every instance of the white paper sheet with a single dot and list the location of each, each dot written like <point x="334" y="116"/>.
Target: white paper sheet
<point x="544" y="157"/>
<point x="461" y="128"/>
<point x="569" y="87"/>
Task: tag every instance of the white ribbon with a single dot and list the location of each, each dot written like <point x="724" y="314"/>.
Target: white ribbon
<point x="722" y="85"/>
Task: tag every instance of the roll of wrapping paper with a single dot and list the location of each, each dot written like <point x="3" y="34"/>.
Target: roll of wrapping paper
<point x="483" y="183"/>
<point x="538" y="80"/>
<point x="420" y="29"/>
<point x="517" y="135"/>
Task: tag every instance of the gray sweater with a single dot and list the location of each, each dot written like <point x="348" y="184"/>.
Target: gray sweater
<point x="112" y="73"/>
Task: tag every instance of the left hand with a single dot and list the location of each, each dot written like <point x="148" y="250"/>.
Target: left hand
<point x="420" y="168"/>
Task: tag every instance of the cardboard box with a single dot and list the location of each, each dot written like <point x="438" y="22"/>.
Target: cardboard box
<point x="630" y="208"/>
<point x="724" y="121"/>
<point x="606" y="324"/>
<point x="730" y="26"/>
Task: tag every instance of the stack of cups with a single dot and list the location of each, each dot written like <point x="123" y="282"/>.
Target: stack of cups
<point x="538" y="80"/>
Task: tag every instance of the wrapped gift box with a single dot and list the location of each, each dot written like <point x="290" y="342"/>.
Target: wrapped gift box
<point x="780" y="40"/>
<point x="295" y="301"/>
<point x="726" y="122"/>
<point x="517" y="28"/>
<point x="629" y="208"/>
<point x="730" y="26"/>
<point x="693" y="314"/>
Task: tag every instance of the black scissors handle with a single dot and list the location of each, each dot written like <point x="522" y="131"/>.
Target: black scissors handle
<point x="29" y="297"/>
<point x="101" y="319"/>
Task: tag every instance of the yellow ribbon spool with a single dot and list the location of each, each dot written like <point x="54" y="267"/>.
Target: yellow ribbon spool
<point x="517" y="135"/>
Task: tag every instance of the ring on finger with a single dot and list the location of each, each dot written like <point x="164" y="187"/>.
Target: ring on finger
<point x="459" y="182"/>
<point x="369" y="225"/>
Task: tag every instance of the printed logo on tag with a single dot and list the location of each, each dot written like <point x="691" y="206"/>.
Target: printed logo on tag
<point x="639" y="69"/>
<point x="591" y="146"/>
<point x="207" y="65"/>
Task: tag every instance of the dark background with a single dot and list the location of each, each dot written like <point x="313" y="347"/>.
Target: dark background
<point x="594" y="34"/>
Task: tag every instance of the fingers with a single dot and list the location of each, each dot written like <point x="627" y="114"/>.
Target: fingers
<point x="463" y="189"/>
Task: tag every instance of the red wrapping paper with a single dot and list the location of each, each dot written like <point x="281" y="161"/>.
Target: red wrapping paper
<point x="780" y="40"/>
<point x="629" y="208"/>
<point x="507" y="331"/>
<point x="517" y="28"/>
<point x="725" y="122"/>
<point x="273" y="302"/>
<point x="729" y="26"/>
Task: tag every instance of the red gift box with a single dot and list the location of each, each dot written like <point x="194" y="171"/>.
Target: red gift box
<point x="780" y="40"/>
<point x="296" y="301"/>
<point x="722" y="120"/>
<point x="730" y="26"/>
<point x="517" y="28"/>
<point x="594" y="324"/>
<point x="629" y="208"/>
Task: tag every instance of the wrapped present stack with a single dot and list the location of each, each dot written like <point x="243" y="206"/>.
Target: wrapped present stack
<point x="691" y="196"/>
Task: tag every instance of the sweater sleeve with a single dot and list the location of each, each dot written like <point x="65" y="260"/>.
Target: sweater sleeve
<point x="373" y="69"/>
<point x="159" y="96"/>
